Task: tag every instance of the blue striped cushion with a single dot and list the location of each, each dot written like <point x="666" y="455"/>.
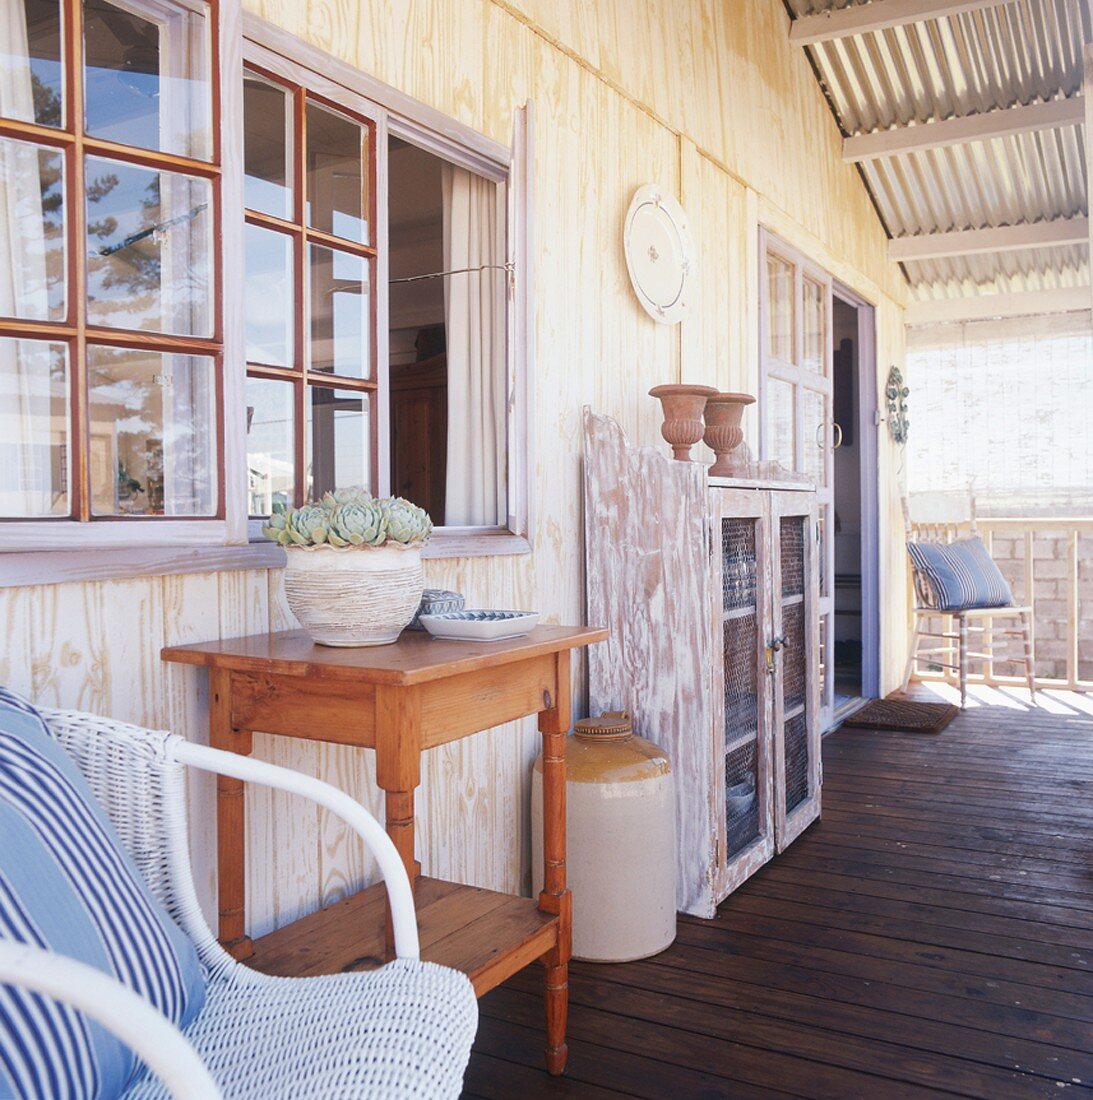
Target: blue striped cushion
<point x="961" y="574"/>
<point x="67" y="884"/>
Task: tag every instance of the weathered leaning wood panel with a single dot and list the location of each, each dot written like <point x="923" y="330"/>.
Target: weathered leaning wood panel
<point x="648" y="570"/>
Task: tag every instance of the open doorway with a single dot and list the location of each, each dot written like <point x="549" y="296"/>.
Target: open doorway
<point x="855" y="656"/>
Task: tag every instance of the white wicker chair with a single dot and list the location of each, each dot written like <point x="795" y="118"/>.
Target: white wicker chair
<point x="402" y="1031"/>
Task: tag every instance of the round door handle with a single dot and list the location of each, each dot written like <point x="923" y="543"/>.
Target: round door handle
<point x="838" y="429"/>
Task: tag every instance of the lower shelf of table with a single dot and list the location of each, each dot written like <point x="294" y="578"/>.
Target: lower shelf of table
<point x="487" y="935"/>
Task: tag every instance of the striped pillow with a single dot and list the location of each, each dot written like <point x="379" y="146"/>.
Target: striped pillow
<point x="961" y="574"/>
<point x="67" y="884"/>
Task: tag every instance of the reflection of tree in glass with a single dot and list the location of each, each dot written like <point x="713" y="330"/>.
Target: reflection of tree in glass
<point x="47" y="103"/>
<point x="142" y="268"/>
<point x="47" y="112"/>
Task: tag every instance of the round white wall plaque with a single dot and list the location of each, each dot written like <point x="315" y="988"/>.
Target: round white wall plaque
<point x="659" y="253"/>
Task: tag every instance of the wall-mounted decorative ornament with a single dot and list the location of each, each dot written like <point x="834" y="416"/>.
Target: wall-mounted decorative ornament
<point x="896" y="393"/>
<point x="659" y="253"/>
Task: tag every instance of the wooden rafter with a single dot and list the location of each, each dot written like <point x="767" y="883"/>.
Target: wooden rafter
<point x="878" y="15"/>
<point x="1088" y="85"/>
<point x="982" y="307"/>
<point x="1008" y="238"/>
<point x="957" y="131"/>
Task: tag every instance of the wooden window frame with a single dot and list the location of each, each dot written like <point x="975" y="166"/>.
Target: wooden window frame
<point x="80" y="528"/>
<point x="170" y="546"/>
<point x="278" y="55"/>
<point x="300" y="84"/>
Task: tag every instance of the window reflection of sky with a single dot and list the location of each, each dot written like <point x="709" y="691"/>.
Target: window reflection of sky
<point x="126" y="277"/>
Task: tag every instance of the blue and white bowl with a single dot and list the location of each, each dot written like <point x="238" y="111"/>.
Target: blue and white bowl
<point x="480" y="625"/>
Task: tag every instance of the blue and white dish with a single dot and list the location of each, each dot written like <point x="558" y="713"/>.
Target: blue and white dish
<point x="436" y="601"/>
<point x="480" y="625"/>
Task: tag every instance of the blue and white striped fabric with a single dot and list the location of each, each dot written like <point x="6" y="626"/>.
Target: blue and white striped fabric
<point x="67" y="884"/>
<point x="961" y="574"/>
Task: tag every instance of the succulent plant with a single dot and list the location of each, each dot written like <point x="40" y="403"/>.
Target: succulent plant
<point x="276" y="529"/>
<point x="349" y="518"/>
<point x="355" y="494"/>
<point x="357" y="523"/>
<point x="307" y="526"/>
<point x="406" y="522"/>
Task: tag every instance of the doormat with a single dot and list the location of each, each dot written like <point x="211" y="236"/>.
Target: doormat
<point x="903" y="715"/>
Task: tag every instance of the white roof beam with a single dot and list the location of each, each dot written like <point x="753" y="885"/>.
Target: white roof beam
<point x="878" y="15"/>
<point x="1088" y="84"/>
<point x="983" y="307"/>
<point x="972" y="242"/>
<point x="958" y="131"/>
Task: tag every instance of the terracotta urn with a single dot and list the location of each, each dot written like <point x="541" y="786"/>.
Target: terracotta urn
<point x="683" y="407"/>
<point x="724" y="412"/>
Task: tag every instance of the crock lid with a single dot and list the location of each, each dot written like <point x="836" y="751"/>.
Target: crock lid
<point x="611" y="726"/>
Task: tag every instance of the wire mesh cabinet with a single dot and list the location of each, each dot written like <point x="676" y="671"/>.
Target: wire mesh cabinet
<point x="742" y="618"/>
<point x="710" y="591"/>
<point x="795" y="661"/>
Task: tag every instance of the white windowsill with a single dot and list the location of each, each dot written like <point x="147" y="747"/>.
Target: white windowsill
<point x="56" y="566"/>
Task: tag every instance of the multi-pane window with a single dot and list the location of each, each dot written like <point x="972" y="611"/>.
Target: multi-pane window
<point x="405" y="391"/>
<point x="310" y="307"/>
<point x="110" y="326"/>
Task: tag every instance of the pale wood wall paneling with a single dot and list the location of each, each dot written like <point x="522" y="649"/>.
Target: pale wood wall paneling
<point x="191" y="613"/>
<point x="727" y="77"/>
<point x="616" y="84"/>
<point x="717" y="348"/>
<point x="96" y="647"/>
<point x="16" y="652"/>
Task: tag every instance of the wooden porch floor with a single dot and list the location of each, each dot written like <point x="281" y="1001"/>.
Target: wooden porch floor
<point x="932" y="935"/>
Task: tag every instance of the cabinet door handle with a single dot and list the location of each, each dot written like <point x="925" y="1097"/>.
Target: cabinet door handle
<point x="838" y="429"/>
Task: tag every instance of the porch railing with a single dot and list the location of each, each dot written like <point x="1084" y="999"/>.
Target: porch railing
<point x="1049" y="564"/>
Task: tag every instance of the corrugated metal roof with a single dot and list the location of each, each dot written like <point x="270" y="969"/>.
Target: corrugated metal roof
<point x="1023" y="52"/>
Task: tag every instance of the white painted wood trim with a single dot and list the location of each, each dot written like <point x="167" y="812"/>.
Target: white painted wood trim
<point x="233" y="272"/>
<point x="1007" y="238"/>
<point x="522" y="309"/>
<point x="959" y="131"/>
<point x="123" y="563"/>
<point x="868" y="434"/>
<point x="989" y="306"/>
<point x="1087" y="84"/>
<point x="108" y="534"/>
<point x="879" y="15"/>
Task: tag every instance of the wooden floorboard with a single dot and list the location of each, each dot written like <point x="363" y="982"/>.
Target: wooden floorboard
<point x="932" y="935"/>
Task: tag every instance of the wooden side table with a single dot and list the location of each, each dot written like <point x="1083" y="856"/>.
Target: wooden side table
<point x="400" y="700"/>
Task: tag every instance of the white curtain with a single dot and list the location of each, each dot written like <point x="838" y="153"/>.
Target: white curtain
<point x="26" y="479"/>
<point x="474" y="310"/>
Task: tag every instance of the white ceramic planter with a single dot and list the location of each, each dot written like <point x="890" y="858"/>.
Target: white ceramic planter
<point x="354" y="597"/>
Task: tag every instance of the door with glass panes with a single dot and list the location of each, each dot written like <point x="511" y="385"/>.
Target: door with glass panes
<point x="795" y="395"/>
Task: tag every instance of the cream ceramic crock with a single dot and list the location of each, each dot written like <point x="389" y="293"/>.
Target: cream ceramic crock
<point x="621" y="841"/>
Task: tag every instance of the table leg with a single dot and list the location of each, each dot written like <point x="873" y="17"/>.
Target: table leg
<point x="231" y="869"/>
<point x="555" y="896"/>
<point x="398" y="773"/>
